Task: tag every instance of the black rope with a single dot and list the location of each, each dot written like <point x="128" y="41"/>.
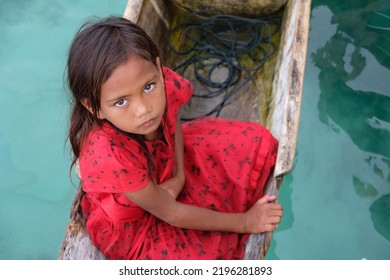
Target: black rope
<point x="222" y="41"/>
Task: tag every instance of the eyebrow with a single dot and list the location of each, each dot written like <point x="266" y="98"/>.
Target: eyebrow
<point x="155" y="76"/>
<point x="117" y="98"/>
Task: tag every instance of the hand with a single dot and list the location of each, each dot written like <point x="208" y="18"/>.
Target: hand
<point x="263" y="215"/>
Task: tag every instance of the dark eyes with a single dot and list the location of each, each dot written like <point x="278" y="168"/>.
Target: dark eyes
<point x="121" y="102"/>
<point x="149" y="87"/>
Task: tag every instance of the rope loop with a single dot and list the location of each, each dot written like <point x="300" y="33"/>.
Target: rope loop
<point x="216" y="46"/>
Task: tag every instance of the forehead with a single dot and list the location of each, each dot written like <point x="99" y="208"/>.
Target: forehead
<point x="132" y="74"/>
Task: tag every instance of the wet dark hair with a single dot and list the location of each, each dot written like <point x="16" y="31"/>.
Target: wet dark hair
<point x="99" y="46"/>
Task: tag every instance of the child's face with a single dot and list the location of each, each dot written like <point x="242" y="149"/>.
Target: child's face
<point x="133" y="98"/>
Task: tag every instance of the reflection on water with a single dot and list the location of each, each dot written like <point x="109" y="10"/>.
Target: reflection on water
<point x="339" y="189"/>
<point x="363" y="188"/>
<point x="380" y="215"/>
<point x="364" y="115"/>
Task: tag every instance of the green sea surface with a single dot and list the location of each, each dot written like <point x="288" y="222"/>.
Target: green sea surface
<point x="337" y="198"/>
<point x="35" y="189"/>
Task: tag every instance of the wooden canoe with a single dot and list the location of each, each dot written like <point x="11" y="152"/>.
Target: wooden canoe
<point x="273" y="99"/>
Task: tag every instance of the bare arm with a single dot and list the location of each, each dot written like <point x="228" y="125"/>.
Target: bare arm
<point x="175" y="185"/>
<point x="263" y="216"/>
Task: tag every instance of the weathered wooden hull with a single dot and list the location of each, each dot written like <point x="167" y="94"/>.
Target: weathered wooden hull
<point x="276" y="104"/>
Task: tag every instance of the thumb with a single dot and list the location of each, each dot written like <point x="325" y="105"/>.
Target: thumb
<point x="267" y="198"/>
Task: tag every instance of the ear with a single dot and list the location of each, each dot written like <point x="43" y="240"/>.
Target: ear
<point x="159" y="68"/>
<point x="158" y="62"/>
<point x="87" y="104"/>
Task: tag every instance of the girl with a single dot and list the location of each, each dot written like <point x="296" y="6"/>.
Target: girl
<point x="155" y="189"/>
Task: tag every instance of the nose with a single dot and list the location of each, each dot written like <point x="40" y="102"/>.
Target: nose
<point x="142" y="108"/>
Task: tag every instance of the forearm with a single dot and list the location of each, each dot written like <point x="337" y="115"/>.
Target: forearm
<point x="193" y="217"/>
<point x="262" y="216"/>
<point x="160" y="203"/>
<point x="173" y="186"/>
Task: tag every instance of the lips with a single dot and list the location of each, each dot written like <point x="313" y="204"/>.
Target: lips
<point x="148" y="123"/>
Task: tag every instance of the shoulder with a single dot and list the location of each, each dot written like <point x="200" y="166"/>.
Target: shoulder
<point x="172" y="76"/>
<point x="177" y="88"/>
<point x="112" y="162"/>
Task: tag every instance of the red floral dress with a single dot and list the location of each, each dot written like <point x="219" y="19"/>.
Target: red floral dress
<point x="227" y="165"/>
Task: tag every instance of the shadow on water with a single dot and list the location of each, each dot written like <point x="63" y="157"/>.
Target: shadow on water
<point x="363" y="29"/>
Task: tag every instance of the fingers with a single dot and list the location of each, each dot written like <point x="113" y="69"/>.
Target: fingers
<point x="270" y="227"/>
<point x="267" y="199"/>
<point x="274" y="220"/>
<point x="271" y="224"/>
<point x="265" y="204"/>
<point x="273" y="206"/>
<point x="273" y="215"/>
<point x="265" y="215"/>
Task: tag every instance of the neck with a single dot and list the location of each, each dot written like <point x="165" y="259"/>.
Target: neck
<point x="157" y="134"/>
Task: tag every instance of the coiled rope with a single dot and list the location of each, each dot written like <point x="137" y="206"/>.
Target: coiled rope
<point x="224" y="42"/>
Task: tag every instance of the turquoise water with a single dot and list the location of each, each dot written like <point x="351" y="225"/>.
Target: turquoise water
<point x="35" y="192"/>
<point x="336" y="200"/>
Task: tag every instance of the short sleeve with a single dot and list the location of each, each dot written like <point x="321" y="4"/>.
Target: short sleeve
<point x="178" y="89"/>
<point x="113" y="169"/>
